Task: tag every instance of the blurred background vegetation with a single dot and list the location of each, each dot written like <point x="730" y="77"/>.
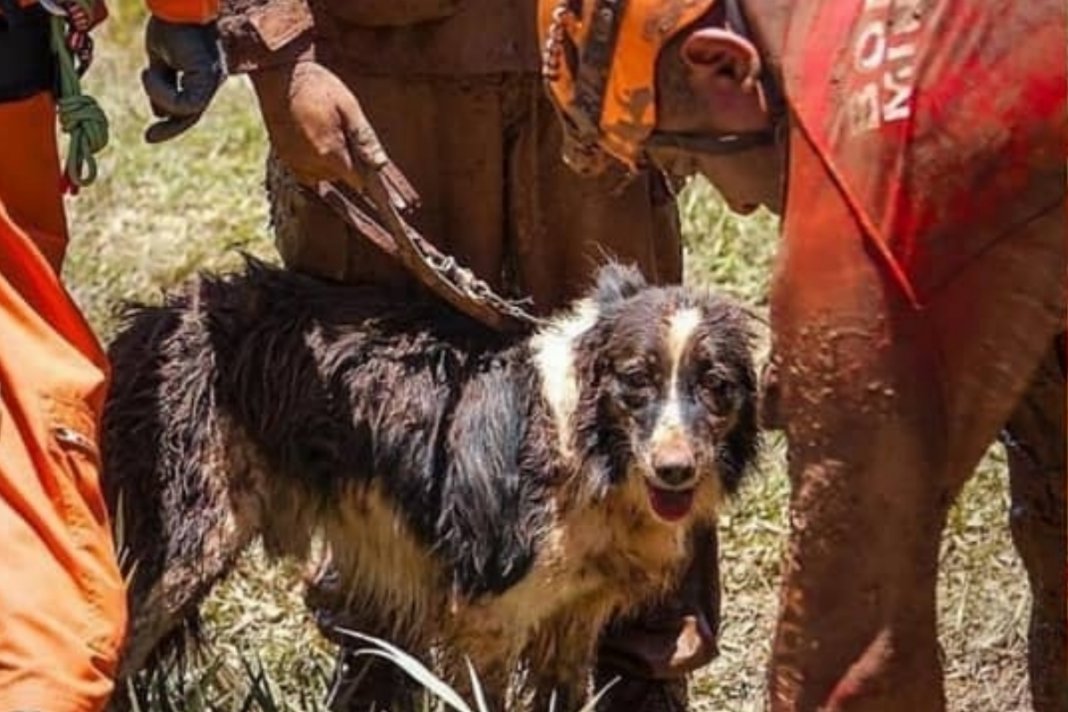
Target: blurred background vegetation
<point x="158" y="214"/>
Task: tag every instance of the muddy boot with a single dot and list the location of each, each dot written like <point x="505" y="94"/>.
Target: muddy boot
<point x="650" y="654"/>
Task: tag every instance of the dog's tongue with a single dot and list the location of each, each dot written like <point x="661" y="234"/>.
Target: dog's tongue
<point x="670" y="505"/>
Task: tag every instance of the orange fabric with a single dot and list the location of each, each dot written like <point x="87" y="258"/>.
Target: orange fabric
<point x="186" y="11"/>
<point x="628" y="114"/>
<point x="62" y="599"/>
<point x="936" y="165"/>
<point x="30" y="176"/>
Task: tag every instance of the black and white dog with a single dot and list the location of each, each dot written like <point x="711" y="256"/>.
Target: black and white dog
<point x="495" y="498"/>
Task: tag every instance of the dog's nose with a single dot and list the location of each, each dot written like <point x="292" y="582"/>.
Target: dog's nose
<point x="674" y="476"/>
<point x="674" y="467"/>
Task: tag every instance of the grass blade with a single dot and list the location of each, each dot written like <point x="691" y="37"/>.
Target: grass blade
<point x="476" y="686"/>
<point x="412" y="667"/>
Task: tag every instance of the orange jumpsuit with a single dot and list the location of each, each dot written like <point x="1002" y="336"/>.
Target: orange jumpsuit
<point x="62" y="599"/>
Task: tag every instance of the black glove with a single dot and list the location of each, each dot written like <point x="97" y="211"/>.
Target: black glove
<point x="184" y="72"/>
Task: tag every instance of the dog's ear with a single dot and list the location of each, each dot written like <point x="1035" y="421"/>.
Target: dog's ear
<point x="616" y="282"/>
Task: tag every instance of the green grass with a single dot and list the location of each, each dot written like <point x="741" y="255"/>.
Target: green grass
<point x="159" y="213"/>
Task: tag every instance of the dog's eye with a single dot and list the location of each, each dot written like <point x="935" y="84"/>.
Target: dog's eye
<point x="717" y="389"/>
<point x="635" y="378"/>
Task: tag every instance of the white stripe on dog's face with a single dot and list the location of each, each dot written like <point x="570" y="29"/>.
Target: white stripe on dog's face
<point x="554" y="357"/>
<point x="681" y="328"/>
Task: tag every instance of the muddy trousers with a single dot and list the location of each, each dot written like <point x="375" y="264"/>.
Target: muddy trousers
<point x="62" y="600"/>
<point x="888" y="409"/>
<point x="484" y="155"/>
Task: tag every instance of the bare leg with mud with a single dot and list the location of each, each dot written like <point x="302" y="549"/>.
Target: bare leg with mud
<point x="887" y="411"/>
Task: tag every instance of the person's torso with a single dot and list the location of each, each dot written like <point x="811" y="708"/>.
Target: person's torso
<point x="27" y="66"/>
<point x="429" y="37"/>
<point x="943" y="122"/>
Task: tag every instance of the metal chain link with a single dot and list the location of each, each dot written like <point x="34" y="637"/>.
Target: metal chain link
<point x="465" y="281"/>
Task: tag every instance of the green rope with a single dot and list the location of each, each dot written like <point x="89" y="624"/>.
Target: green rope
<point x="79" y="114"/>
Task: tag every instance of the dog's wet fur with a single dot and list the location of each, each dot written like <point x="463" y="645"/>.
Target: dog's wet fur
<point x="495" y="497"/>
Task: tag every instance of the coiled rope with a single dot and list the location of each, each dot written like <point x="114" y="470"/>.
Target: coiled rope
<point x="80" y="116"/>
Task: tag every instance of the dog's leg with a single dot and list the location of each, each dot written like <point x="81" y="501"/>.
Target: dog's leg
<point x="175" y="600"/>
<point x="560" y="661"/>
<point x="205" y="530"/>
<point x="360" y="682"/>
<point x="490" y="654"/>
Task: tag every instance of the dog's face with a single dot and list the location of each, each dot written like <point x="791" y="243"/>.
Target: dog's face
<point x="666" y="393"/>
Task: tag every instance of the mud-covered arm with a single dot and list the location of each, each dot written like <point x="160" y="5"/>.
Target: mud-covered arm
<point x="260" y="34"/>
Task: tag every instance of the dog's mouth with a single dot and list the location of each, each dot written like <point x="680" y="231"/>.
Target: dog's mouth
<point x="671" y="505"/>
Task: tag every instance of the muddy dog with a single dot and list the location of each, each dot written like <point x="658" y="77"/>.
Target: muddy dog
<point x="497" y="498"/>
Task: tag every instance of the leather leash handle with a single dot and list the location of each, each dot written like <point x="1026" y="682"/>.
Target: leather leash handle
<point x="438" y="272"/>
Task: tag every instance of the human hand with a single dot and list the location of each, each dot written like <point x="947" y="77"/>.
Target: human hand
<point x="319" y="130"/>
<point x="184" y="72"/>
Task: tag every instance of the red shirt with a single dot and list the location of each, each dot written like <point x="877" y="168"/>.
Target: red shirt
<point x="942" y="122"/>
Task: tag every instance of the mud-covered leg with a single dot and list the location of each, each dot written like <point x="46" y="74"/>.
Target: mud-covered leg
<point x="162" y="607"/>
<point x="1035" y="443"/>
<point x="868" y="504"/>
<point x="165" y="612"/>
<point x="887" y="410"/>
<point x="164" y="619"/>
<point x="189" y="517"/>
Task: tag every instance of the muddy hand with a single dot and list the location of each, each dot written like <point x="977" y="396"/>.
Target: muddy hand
<point x="319" y="130"/>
